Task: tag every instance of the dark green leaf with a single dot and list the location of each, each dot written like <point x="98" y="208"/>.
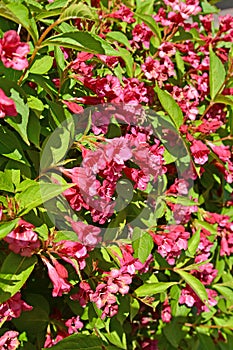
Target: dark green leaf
<point x="14" y="272"/>
<point x="217" y="75"/>
<point x="20" y="122"/>
<point x="10" y="146"/>
<point x="80" y="342"/>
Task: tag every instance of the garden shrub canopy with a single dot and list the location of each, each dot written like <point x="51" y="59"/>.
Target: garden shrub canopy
<point x="116" y="173"/>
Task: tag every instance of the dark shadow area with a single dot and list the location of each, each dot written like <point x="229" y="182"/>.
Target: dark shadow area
<point x="225" y="4"/>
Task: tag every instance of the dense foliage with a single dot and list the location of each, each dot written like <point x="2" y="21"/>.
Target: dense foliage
<point x="116" y="173"/>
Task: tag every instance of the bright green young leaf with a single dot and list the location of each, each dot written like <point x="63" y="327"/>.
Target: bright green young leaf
<point x="217" y="75"/>
<point x="82" y="41"/>
<point x="38" y="194"/>
<point x="195" y="284"/>
<point x="208" y="8"/>
<point x="149" y="289"/>
<point x="7" y="227"/>
<point x="14" y="272"/>
<point x="20" y="122"/>
<point x="142" y="244"/>
<point x="120" y="37"/>
<point x="170" y="106"/>
<point x="80" y="342"/>
<point x="193" y="243"/>
<point x="42" y="65"/>
<point x="6" y="183"/>
<point x="19" y="13"/>
<point x="150" y="22"/>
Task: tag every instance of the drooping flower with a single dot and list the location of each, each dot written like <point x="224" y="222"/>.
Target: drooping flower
<point x="13" y="52"/>
<point x="58" y="276"/>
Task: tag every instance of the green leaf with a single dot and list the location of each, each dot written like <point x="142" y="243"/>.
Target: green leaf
<point x="7" y="227"/>
<point x="14" y="272"/>
<point x="193" y="243"/>
<point x="173" y="332"/>
<point x="35" y="103"/>
<point x="10" y="146"/>
<point x="207" y="8"/>
<point x="19" y="13"/>
<point x="127" y="57"/>
<point x="58" y="144"/>
<point x="142" y="244"/>
<point x="151" y="23"/>
<point x="227" y="100"/>
<point x="225" y="291"/>
<point x="38" y="194"/>
<point x="42" y="65"/>
<point x="120" y="37"/>
<point x="149" y="289"/>
<point x="217" y="75"/>
<point x="170" y="106"/>
<point x="20" y="122"/>
<point x="6" y="183"/>
<point x="195" y="284"/>
<point x="80" y="342"/>
<point x="79" y="10"/>
<point x="82" y="41"/>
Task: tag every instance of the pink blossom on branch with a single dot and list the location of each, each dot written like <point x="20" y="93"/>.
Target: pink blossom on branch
<point x="13" y="52"/>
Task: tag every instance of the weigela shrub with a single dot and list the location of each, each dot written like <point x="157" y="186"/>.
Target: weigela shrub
<point x="116" y="173"/>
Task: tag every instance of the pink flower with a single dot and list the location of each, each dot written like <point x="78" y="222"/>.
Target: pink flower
<point x="13" y="307"/>
<point x="58" y="275"/>
<point x="13" y="52"/>
<point x="166" y="312"/>
<point x="23" y="240"/>
<point x="7" y="106"/>
<point x="89" y="235"/>
<point x="9" y="340"/>
<point x="142" y="35"/>
<point x="69" y="251"/>
<point x="124" y="14"/>
<point x="200" y="152"/>
<point x="73" y="324"/>
<point x="73" y="107"/>
<point x="171" y="242"/>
